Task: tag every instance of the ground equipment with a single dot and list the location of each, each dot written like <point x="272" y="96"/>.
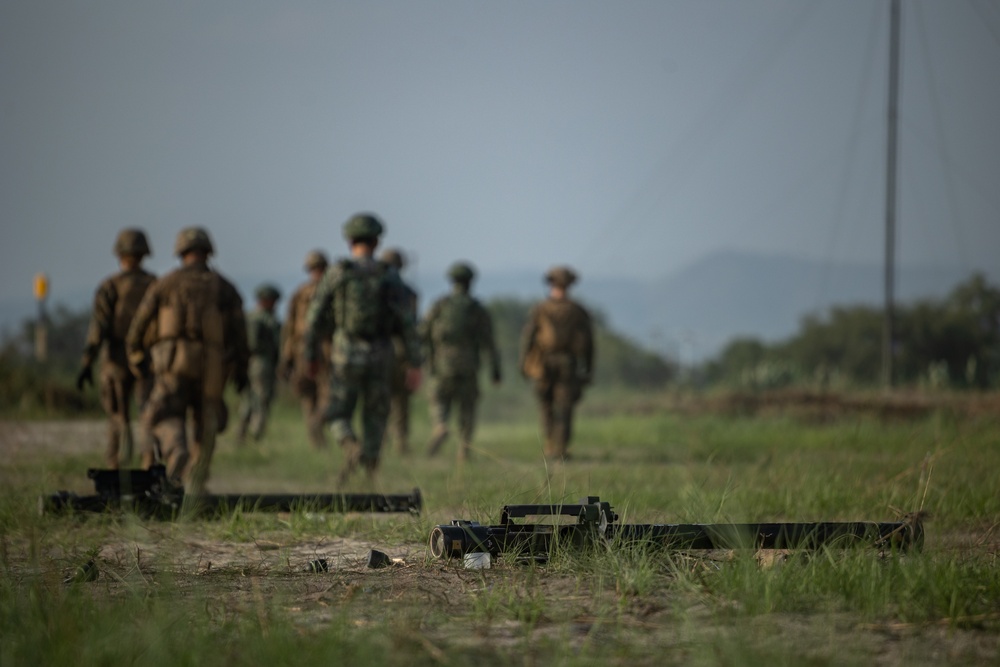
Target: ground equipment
<point x="596" y="521"/>
<point x="149" y="493"/>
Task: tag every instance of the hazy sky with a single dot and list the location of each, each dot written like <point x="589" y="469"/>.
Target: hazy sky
<point x="623" y="137"/>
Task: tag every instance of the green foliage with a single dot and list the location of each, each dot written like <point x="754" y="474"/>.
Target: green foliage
<point x="954" y="342"/>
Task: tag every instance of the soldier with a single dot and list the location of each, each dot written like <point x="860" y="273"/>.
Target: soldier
<point x="361" y="301"/>
<point x="264" y="341"/>
<point x="557" y="352"/>
<point x="200" y="341"/>
<point x="456" y="330"/>
<point x="115" y="303"/>
<point x="399" y="395"/>
<point x="311" y="391"/>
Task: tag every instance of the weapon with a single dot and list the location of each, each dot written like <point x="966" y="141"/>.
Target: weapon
<point x="150" y="493"/>
<point x="596" y="521"/>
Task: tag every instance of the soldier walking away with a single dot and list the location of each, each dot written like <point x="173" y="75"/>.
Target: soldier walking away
<point x="264" y="342"/>
<point x="362" y="303"/>
<point x="115" y="304"/>
<point x="455" y="332"/>
<point x="557" y="352"/>
<point x="200" y="341"/>
<point x="399" y="396"/>
<point x="310" y="390"/>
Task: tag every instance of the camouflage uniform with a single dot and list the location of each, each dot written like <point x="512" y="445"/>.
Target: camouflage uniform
<point x="361" y="301"/>
<point x="264" y="342"/>
<point x="115" y="303"/>
<point x="557" y="352"/>
<point x="455" y="332"/>
<point x="399" y="394"/>
<point x="200" y="340"/>
<point x="311" y="391"/>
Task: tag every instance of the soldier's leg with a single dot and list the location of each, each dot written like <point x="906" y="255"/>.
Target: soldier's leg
<point x="440" y="409"/>
<point x="343" y="398"/>
<point x="205" y="416"/>
<point x="374" y="410"/>
<point x="127" y="384"/>
<point x="565" y="395"/>
<point x="248" y="402"/>
<point x="141" y="390"/>
<point x="263" y="387"/>
<point x="163" y="417"/>
<point x="111" y="402"/>
<point x="467" y="396"/>
<point x="543" y="392"/>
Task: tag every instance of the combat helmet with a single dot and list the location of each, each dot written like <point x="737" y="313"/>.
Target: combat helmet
<point x="267" y="292"/>
<point x="193" y="238"/>
<point x="363" y="226"/>
<point x="316" y="259"/>
<point x="560" y="276"/>
<point x="132" y="242"/>
<point x="394" y="257"/>
<point x="460" y="272"/>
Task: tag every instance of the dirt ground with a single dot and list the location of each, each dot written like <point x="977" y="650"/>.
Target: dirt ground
<point x="312" y="580"/>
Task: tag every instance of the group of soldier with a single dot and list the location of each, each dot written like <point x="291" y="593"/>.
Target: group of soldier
<point x="351" y="342"/>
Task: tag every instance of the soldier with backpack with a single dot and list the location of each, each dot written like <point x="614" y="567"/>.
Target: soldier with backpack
<point x="360" y="300"/>
<point x="455" y="332"/>
<point x="264" y="342"/>
<point x="199" y="340"/>
<point x="115" y="304"/>
<point x="399" y="396"/>
<point x="311" y="391"/>
<point x="557" y="352"/>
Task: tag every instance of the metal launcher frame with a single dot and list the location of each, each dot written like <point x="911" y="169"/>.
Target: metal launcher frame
<point x="596" y="521"/>
<point x="149" y="493"/>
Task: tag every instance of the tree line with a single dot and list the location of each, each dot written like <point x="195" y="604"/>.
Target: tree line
<point x="953" y="342"/>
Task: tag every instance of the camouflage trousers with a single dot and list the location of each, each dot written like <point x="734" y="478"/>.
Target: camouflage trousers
<point x="117" y="386"/>
<point x="398" y="427"/>
<point x="558" y="392"/>
<point x="313" y="395"/>
<point x="365" y="382"/>
<point x="463" y="391"/>
<point x="173" y="402"/>
<point x="255" y="405"/>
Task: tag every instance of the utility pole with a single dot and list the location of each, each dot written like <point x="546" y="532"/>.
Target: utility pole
<point x="888" y="324"/>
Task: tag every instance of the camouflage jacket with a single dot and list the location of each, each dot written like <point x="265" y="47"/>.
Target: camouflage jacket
<point x="455" y="332"/>
<point x="362" y="304"/>
<point x="558" y="328"/>
<point x="263" y="337"/>
<point x="191" y="305"/>
<point x="115" y="304"/>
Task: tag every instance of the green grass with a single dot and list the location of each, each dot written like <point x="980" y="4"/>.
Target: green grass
<point x="234" y="591"/>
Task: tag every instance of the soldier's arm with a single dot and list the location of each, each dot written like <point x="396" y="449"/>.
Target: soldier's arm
<point x="135" y="338"/>
<point x="487" y="341"/>
<point x="319" y="316"/>
<point x="586" y="328"/>
<point x="528" y="336"/>
<point x="101" y="322"/>
<point x="288" y="332"/>
<point x="404" y="323"/>
<point x="424" y="333"/>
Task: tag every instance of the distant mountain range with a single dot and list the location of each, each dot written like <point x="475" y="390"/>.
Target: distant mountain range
<point x="688" y="315"/>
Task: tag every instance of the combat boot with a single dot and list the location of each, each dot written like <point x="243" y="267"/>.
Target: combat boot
<point x="464" y="452"/>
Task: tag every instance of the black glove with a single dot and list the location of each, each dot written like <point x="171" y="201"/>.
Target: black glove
<point x="84" y="377"/>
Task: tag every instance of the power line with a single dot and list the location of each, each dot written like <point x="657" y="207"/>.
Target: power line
<point x="949" y="181"/>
